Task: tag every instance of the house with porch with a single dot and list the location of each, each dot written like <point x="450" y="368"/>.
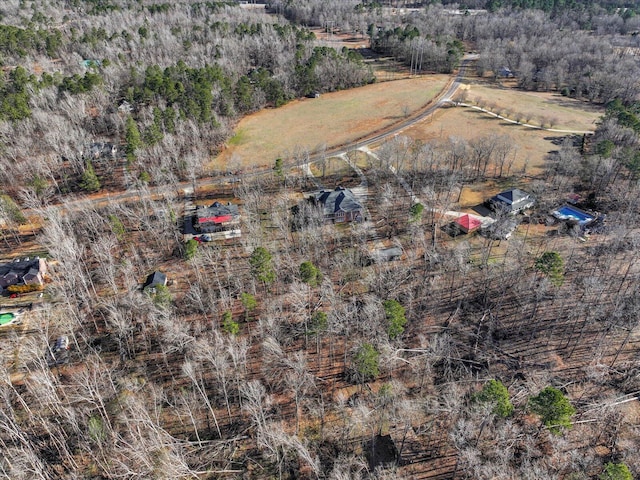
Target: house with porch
<point x="511" y="201"/>
<point x="27" y="271"/>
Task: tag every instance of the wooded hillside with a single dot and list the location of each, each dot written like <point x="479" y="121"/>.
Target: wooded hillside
<point x="392" y="346"/>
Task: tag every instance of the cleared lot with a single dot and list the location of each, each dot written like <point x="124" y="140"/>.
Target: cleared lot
<point x="332" y="120"/>
<point x="531" y="145"/>
<point x="567" y="113"/>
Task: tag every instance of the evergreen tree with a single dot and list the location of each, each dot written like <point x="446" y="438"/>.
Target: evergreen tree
<point x="416" y="212"/>
<point x="495" y="393"/>
<point x="229" y="325"/>
<point x="191" y="247"/>
<point x="554" y="409"/>
<point x="616" y="471"/>
<point x="310" y="274"/>
<point x="395" y="318"/>
<point x="132" y="139"/>
<point x="366" y="363"/>
<point x="261" y="266"/>
<point x="278" y="169"/>
<point x="90" y="181"/>
<point x="551" y="264"/>
<point x="249" y="303"/>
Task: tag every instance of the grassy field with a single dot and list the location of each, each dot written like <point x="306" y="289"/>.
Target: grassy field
<point x="568" y="113"/>
<point x="340" y="117"/>
<point x="338" y="166"/>
<point x="332" y="119"/>
<point x="532" y="145"/>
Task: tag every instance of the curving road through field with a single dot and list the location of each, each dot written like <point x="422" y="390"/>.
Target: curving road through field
<point x="443" y="97"/>
<point x="186" y="187"/>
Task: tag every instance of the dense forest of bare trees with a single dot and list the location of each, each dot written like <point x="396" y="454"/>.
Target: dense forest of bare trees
<point x="291" y="352"/>
<point x="545" y="50"/>
<point x="322" y="365"/>
<point x="169" y="80"/>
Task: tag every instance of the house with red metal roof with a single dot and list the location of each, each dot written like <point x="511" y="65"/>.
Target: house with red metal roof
<point x="216" y="218"/>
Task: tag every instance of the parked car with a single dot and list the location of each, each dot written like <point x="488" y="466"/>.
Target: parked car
<point x="62" y="343"/>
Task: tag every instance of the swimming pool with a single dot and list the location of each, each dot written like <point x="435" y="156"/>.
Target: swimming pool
<point x="6" y="318"/>
<point x="567" y="212"/>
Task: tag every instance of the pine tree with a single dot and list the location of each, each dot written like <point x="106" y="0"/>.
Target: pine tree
<point x="132" y="139"/>
<point x="90" y="181"/>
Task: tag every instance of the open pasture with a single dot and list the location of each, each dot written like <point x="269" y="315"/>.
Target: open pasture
<point x="330" y="120"/>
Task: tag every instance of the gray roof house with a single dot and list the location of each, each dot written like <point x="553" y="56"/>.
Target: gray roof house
<point x="101" y="150"/>
<point x="388" y="254"/>
<point x="511" y="201"/>
<point x="30" y="271"/>
<point x="339" y="205"/>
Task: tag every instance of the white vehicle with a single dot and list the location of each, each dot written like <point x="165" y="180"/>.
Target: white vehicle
<point x="58" y="353"/>
<point x="62" y="343"/>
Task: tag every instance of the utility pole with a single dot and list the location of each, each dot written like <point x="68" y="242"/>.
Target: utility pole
<point x="330" y="24"/>
<point x="412" y="46"/>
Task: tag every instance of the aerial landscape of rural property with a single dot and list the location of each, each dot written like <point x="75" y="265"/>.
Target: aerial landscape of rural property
<point x="320" y="239"/>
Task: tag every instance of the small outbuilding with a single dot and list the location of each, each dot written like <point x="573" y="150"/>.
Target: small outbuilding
<point x="58" y="353"/>
<point x="501" y="229"/>
<point x="468" y="223"/>
<point x="154" y="280"/>
<point x="506" y="72"/>
<point x="389" y="254"/>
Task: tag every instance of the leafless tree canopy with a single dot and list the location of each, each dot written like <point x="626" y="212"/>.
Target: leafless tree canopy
<point x="223" y="374"/>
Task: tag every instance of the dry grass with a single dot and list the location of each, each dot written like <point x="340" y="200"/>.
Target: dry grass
<point x="568" y="113"/>
<point x="333" y="119"/>
<point x="340" y="40"/>
<point x="333" y="166"/>
<point x="531" y="145"/>
<point x="341" y="117"/>
<point x="384" y="68"/>
<point x="473" y="195"/>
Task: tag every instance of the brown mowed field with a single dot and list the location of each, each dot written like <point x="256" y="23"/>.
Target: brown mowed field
<point x="567" y="113"/>
<point x="531" y="145"/>
<point x="333" y="119"/>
